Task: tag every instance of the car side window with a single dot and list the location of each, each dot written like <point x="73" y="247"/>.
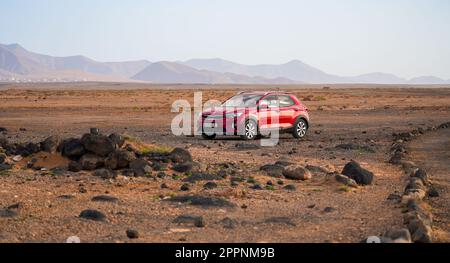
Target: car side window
<point x="285" y="101"/>
<point x="272" y="101"/>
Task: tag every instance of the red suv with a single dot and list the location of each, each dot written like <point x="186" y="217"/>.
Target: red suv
<point x="251" y="114"/>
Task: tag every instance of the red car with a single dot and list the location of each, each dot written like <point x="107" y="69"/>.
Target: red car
<point x="251" y="114"/>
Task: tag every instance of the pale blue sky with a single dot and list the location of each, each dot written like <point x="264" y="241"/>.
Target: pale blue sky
<point x="346" y="37"/>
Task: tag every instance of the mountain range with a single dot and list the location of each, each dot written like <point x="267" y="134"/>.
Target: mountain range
<point x="18" y="64"/>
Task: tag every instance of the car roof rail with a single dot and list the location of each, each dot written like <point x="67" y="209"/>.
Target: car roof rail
<point x="279" y="91"/>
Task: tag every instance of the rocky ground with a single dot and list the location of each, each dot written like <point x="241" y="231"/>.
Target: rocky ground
<point x="131" y="180"/>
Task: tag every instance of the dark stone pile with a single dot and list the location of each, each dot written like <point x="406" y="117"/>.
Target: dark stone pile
<point x="102" y="154"/>
<point x="418" y="217"/>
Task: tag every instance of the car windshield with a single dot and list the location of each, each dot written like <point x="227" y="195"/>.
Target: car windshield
<point x="242" y="100"/>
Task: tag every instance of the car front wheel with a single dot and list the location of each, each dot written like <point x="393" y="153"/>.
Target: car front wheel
<point x="251" y="130"/>
<point x="300" y="128"/>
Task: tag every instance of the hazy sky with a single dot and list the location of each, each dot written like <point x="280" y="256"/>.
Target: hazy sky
<point x="346" y="37"/>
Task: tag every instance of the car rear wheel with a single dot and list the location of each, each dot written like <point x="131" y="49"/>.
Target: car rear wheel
<point x="251" y="130"/>
<point x="300" y="128"/>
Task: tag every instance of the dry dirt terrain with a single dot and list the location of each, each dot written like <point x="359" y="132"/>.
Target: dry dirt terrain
<point x="248" y="205"/>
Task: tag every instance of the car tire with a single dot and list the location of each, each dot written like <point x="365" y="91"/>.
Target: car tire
<point x="300" y="128"/>
<point x="250" y="130"/>
<point x="208" y="137"/>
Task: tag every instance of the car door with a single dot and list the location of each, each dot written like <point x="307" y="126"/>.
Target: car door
<point x="287" y="109"/>
<point x="269" y="117"/>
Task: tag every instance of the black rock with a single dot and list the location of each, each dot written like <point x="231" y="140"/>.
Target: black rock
<point x="422" y="175"/>
<point x="66" y="197"/>
<point x="397" y="158"/>
<point x="180" y="155"/>
<point x="127" y="172"/>
<point x="15" y="206"/>
<point x="161" y="174"/>
<point x="414" y="185"/>
<point x="197" y="221"/>
<point x="228" y="223"/>
<point x="2" y="158"/>
<point x="105" y="198"/>
<point x="119" y="159"/>
<point x="4" y="142"/>
<point x="183" y="167"/>
<point x="4" y="167"/>
<point x="210" y="185"/>
<point x="94" y="131"/>
<point x="72" y="148"/>
<point x="92" y="214"/>
<point x="58" y="170"/>
<point x="117" y="139"/>
<point x="185" y="187"/>
<point x="164" y="186"/>
<point x="50" y="144"/>
<point x="399" y="234"/>
<point x="420" y="231"/>
<point x="432" y="192"/>
<point x="273" y="170"/>
<point x="357" y="173"/>
<point x="195" y="177"/>
<point x="28" y="149"/>
<point x="74" y="167"/>
<point x="7" y="213"/>
<point x="256" y="187"/>
<point x="105" y="173"/>
<point x="202" y="201"/>
<point x="3" y="129"/>
<point x="91" y="161"/>
<point x="290" y="187"/>
<point x="132" y="233"/>
<point x="329" y="209"/>
<point x="99" y="144"/>
<point x="140" y="167"/>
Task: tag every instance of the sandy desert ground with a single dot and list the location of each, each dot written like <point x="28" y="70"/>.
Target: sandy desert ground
<point x="44" y="206"/>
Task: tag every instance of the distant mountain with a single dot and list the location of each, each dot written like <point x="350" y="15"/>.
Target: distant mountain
<point x="428" y="80"/>
<point x="19" y="64"/>
<point x="298" y="71"/>
<point x="294" y="70"/>
<point x="377" y="78"/>
<point x="17" y="60"/>
<point x="129" y="68"/>
<point x="30" y="63"/>
<point x="171" y="72"/>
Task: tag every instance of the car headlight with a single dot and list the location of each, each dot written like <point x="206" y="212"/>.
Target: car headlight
<point x="233" y="115"/>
